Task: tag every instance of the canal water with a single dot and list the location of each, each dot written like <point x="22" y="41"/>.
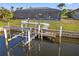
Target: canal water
<point x="41" y="48"/>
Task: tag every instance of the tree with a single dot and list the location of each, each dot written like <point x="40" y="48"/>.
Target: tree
<point x="4" y="13"/>
<point x="71" y="14"/>
<point x="64" y="13"/>
<point x="63" y="10"/>
<point x="61" y="5"/>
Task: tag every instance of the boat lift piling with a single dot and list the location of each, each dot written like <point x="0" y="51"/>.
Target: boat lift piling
<point x="39" y="29"/>
<point x="60" y="41"/>
<point x="60" y="34"/>
<point x="9" y="30"/>
<point x="22" y="28"/>
<point x="29" y="39"/>
<point x="6" y="41"/>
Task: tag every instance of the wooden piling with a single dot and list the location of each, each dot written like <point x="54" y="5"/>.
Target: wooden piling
<point x="60" y="41"/>
<point x="29" y="39"/>
<point x="38" y="30"/>
<point x="9" y="30"/>
<point x="60" y="34"/>
<point x="22" y="28"/>
<point x="6" y="41"/>
<point x="35" y="29"/>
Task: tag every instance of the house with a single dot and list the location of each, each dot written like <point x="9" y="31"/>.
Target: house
<point x="74" y="14"/>
<point x="37" y="13"/>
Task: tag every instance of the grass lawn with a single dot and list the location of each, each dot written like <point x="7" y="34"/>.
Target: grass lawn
<point x="71" y="25"/>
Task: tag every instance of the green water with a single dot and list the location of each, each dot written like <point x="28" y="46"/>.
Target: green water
<point x="47" y="48"/>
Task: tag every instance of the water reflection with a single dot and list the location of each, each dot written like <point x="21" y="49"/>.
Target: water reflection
<point x="45" y="48"/>
<point x="59" y="50"/>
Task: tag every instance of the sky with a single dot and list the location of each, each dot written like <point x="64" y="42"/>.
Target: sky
<point x="50" y="5"/>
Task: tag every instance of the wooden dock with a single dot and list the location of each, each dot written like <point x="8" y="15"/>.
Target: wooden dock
<point x="70" y="34"/>
<point x="51" y="33"/>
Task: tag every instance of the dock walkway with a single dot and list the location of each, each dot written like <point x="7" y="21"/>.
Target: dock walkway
<point x="51" y="33"/>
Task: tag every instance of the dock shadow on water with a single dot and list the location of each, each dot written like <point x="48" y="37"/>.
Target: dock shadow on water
<point x="44" y="48"/>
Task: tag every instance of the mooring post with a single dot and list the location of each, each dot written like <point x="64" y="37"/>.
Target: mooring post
<point x="39" y="30"/>
<point x="6" y="41"/>
<point x="29" y="39"/>
<point x="9" y="29"/>
<point x="35" y="29"/>
<point x="60" y="35"/>
<point x="22" y="29"/>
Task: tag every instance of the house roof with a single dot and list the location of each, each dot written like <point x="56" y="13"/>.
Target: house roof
<point x="38" y="8"/>
<point x="76" y="9"/>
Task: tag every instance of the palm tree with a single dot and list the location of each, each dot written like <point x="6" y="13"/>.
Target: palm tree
<point x="61" y="5"/>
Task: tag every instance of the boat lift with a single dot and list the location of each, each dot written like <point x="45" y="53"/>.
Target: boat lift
<point x="25" y="30"/>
